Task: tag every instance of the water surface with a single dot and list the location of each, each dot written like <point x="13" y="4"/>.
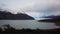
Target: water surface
<point x="32" y="24"/>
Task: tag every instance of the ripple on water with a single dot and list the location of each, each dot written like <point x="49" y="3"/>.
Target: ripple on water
<point x="33" y="24"/>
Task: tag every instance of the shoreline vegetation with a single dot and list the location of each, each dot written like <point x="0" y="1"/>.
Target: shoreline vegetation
<point x="11" y="30"/>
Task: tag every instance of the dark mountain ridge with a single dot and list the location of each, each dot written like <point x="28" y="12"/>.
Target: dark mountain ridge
<point x="4" y="15"/>
<point x="52" y="16"/>
<point x="51" y="20"/>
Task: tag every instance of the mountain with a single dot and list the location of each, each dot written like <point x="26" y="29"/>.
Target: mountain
<point x="52" y="16"/>
<point x="4" y="15"/>
<point x="53" y="20"/>
<point x="50" y="20"/>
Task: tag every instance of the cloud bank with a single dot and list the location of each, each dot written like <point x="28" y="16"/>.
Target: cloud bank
<point x="32" y="7"/>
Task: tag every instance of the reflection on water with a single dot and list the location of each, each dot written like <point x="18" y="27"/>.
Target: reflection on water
<point x="33" y="24"/>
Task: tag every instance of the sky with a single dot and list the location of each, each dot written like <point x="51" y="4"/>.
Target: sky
<point x="34" y="8"/>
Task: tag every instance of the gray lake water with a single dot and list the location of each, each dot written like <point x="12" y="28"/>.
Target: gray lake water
<point x="32" y="24"/>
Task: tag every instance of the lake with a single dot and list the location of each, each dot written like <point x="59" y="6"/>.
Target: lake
<point x="32" y="24"/>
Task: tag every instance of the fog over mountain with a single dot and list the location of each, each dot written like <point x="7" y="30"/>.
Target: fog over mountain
<point x="34" y="8"/>
<point x="4" y="15"/>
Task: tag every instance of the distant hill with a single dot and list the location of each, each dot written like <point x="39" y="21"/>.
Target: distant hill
<point x="4" y="15"/>
<point x="52" y="16"/>
<point x="50" y="20"/>
<point x="53" y="20"/>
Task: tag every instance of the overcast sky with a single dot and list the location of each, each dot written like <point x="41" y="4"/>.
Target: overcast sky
<point x="34" y="8"/>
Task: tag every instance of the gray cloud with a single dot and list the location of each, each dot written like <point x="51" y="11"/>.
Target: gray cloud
<point x="44" y="7"/>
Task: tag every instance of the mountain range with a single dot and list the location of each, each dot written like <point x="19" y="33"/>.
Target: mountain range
<point x="53" y="18"/>
<point x="4" y="15"/>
